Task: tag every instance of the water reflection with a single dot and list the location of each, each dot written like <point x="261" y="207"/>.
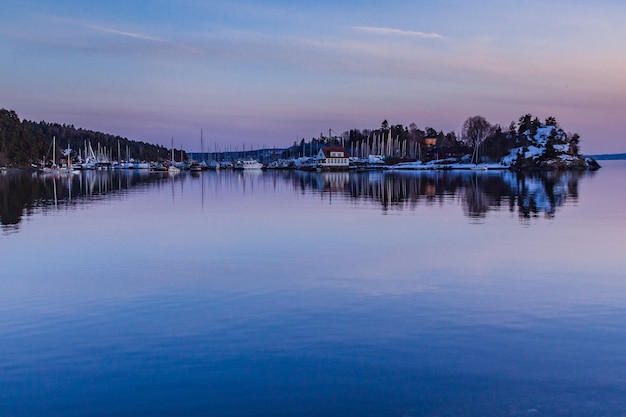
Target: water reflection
<point x="24" y="194"/>
<point x="300" y="278"/>
<point x="527" y="194"/>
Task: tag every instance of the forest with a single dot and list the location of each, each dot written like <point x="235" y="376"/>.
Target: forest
<point x="24" y="142"/>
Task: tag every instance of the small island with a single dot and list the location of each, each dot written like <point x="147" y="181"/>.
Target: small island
<point x="544" y="146"/>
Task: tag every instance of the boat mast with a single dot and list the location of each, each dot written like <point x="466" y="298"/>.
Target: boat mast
<point x="201" y="145"/>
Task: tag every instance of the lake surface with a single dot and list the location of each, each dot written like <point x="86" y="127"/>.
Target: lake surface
<point x="304" y="294"/>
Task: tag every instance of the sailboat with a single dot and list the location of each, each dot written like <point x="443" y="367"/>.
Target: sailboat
<point x="53" y="167"/>
<point x="90" y="160"/>
<point x="172" y="168"/>
<point x="195" y="166"/>
<point x="68" y="167"/>
<point x="475" y="159"/>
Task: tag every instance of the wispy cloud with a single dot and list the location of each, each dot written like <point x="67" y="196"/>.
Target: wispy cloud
<point x="129" y="34"/>
<point x="397" y="32"/>
<point x="144" y="37"/>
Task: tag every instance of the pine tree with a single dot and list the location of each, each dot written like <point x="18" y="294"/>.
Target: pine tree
<point x="574" y="144"/>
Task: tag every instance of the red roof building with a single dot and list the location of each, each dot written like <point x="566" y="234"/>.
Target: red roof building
<point x="333" y="157"/>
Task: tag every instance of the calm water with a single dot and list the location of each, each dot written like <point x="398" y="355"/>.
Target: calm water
<point x="297" y="294"/>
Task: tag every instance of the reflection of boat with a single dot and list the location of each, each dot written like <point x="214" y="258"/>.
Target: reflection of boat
<point x="68" y="170"/>
<point x="248" y="164"/>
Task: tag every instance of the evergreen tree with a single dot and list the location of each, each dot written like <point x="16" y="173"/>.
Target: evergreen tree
<point x="551" y="121"/>
<point x="550" y="151"/>
<point x="574" y="144"/>
<point x="525" y="123"/>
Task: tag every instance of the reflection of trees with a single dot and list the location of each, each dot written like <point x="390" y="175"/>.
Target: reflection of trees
<point x="544" y="192"/>
<point x="528" y="194"/>
<point x="24" y="193"/>
<point x="475" y="202"/>
<point x="478" y="192"/>
<point x="17" y="194"/>
<point x="399" y="190"/>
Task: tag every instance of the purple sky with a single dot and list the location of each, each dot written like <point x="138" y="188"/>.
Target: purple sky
<point x="252" y="74"/>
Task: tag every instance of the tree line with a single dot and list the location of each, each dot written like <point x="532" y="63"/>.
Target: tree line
<point x="24" y="142"/>
<point x="477" y="136"/>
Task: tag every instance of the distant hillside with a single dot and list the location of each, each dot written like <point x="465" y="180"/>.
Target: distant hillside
<point x="24" y="142"/>
<point x="609" y="156"/>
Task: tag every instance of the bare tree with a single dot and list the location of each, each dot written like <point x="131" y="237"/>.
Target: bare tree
<point x="475" y="131"/>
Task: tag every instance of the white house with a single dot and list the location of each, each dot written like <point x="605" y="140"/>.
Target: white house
<point x="334" y="157"/>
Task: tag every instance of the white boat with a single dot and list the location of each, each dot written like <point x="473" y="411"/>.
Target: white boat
<point x="140" y="165"/>
<point x="214" y="165"/>
<point x="248" y="164"/>
<point x="479" y="167"/>
<point x="280" y="164"/>
<point x="88" y="166"/>
<point x="91" y="161"/>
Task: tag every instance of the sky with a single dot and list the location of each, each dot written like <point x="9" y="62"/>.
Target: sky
<point x="252" y="74"/>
